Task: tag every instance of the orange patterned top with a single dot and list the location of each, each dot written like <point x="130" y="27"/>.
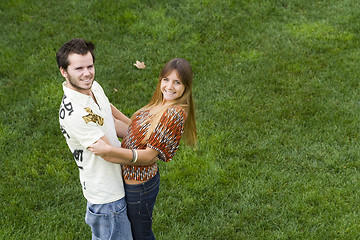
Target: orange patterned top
<point x="165" y="139"/>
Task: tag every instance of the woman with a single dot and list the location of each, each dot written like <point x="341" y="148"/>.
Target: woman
<point x="155" y="131"/>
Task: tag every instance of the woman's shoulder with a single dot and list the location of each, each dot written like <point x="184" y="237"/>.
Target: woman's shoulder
<point x="141" y="113"/>
<point x="175" y="110"/>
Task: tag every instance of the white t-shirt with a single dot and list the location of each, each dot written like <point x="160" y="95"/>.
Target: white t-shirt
<point x="83" y="122"/>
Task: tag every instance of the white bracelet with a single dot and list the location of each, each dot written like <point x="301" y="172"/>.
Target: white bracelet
<point x="135" y="156"/>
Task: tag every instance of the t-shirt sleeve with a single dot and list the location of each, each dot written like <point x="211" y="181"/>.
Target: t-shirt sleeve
<point x="166" y="137"/>
<point x="85" y="133"/>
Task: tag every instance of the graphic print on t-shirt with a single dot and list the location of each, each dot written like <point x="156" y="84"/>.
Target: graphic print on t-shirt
<point x="65" y="107"/>
<point x="92" y="117"/>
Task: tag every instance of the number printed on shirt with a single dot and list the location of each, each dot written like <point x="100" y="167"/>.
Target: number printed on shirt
<point x="78" y="156"/>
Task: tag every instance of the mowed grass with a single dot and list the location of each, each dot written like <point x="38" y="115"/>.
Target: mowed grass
<point x="276" y="87"/>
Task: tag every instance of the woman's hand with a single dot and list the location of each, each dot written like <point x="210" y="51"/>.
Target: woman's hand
<point x="100" y="147"/>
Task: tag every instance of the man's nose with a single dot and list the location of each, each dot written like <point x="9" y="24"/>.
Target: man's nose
<point x="86" y="71"/>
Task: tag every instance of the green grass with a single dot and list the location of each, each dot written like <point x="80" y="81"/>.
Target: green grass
<point x="277" y="101"/>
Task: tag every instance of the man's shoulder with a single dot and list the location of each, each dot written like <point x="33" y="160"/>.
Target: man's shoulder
<point x="97" y="87"/>
<point x="70" y="109"/>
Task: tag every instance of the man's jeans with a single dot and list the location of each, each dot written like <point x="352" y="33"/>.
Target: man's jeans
<point x="141" y="200"/>
<point x="109" y="220"/>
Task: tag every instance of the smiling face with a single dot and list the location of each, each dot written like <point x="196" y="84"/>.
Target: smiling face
<point x="80" y="73"/>
<point x="171" y="87"/>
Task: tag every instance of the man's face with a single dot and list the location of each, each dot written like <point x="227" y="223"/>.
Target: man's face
<point x="80" y="72"/>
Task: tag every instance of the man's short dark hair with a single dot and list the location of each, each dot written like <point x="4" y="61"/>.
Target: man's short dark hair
<point x="76" y="45"/>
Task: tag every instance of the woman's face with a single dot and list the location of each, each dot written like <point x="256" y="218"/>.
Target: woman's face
<point x="172" y="87"/>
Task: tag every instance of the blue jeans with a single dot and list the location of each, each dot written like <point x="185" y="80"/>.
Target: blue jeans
<point x="109" y="220"/>
<point x="141" y="200"/>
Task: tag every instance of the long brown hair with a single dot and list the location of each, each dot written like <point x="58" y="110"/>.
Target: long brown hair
<point x="184" y="72"/>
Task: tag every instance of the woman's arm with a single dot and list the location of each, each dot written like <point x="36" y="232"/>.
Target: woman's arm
<point x="122" y="155"/>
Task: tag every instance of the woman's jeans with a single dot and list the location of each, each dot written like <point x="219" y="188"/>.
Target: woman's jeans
<point x="109" y="220"/>
<point x="141" y="199"/>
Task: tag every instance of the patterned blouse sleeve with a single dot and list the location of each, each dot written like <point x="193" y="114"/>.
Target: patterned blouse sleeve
<point x="166" y="137"/>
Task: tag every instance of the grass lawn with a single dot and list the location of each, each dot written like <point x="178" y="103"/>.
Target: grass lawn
<point x="276" y="88"/>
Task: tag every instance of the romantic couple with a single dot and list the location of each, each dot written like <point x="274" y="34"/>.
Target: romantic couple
<point x="121" y="180"/>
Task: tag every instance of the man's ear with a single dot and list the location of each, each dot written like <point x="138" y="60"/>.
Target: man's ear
<point x="63" y="72"/>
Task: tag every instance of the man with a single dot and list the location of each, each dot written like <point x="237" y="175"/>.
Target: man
<point x="85" y="116"/>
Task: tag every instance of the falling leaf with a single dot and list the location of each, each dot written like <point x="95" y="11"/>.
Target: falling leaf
<point x="139" y="65"/>
<point x="115" y="90"/>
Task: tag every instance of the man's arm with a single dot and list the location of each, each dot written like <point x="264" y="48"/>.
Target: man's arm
<point x="119" y="115"/>
<point x="120" y="127"/>
<point x="121" y="121"/>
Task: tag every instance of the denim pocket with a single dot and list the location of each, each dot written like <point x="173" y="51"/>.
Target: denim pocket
<point x="98" y="222"/>
<point x="120" y="207"/>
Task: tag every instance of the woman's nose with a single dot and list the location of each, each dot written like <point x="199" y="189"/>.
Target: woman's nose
<point x="170" y="85"/>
